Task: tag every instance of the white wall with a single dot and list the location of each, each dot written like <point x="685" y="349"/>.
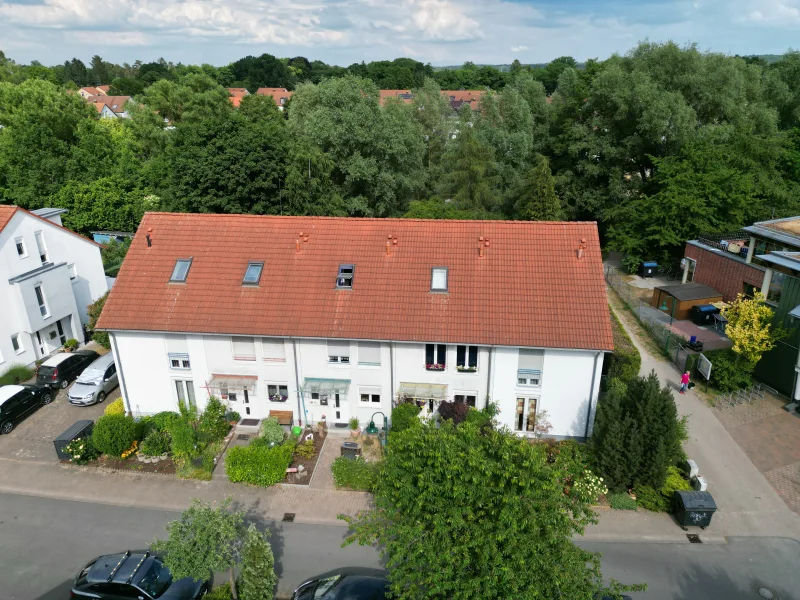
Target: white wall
<point x="61" y="246"/>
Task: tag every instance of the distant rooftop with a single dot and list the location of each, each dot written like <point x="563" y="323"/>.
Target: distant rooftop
<point x="46" y="213"/>
<point x="785" y="231"/>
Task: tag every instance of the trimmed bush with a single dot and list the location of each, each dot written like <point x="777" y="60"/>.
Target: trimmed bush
<point x="403" y="416"/>
<point x="156" y="443"/>
<point x="184" y="439"/>
<point x="729" y="372"/>
<point x="356" y="474"/>
<point x="213" y="422"/>
<point x="16" y="374"/>
<point x="114" y="434"/>
<point x="625" y="362"/>
<point x="117" y="407"/>
<point x="621" y="501"/>
<point x="272" y="432"/>
<point x="455" y="411"/>
<point x="164" y="419"/>
<point x="232" y="415"/>
<point x="258" y="465"/>
<point x="648" y="498"/>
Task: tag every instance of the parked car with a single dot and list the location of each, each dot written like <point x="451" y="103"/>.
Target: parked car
<point x="17" y="401"/>
<point x="96" y="381"/>
<point x="134" y="574"/>
<point x="350" y="583"/>
<point x="58" y="370"/>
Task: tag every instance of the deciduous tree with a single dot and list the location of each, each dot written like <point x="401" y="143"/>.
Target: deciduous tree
<point x="750" y="327"/>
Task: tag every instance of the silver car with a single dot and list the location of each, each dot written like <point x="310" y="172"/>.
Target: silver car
<point x="96" y="381"/>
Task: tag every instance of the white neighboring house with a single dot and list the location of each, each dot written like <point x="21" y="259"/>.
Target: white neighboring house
<point x="342" y="317"/>
<point x="48" y="277"/>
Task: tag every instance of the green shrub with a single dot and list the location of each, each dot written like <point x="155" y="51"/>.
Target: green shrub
<point x="258" y="465"/>
<point x="213" y="422"/>
<point x="82" y="451"/>
<point x="144" y="425"/>
<point x="272" y="432"/>
<point x="625" y="362"/>
<point x="71" y="344"/>
<point x="222" y="592"/>
<point x="163" y="420"/>
<point x="648" y="498"/>
<point x="356" y="474"/>
<point x="306" y="449"/>
<point x="621" y="501"/>
<point x="114" y="434"/>
<point x="16" y="374"/>
<point x="201" y="467"/>
<point x="117" y="407"/>
<point x="156" y="443"/>
<point x="403" y="416"/>
<point x="674" y="482"/>
<point x="184" y="439"/>
<point x="729" y="372"/>
<point x="353" y="423"/>
<point x="232" y="416"/>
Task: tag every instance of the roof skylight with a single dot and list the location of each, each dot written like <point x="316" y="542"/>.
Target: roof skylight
<point x="253" y="273"/>
<point x="345" y="278"/>
<point x="439" y="279"/>
<point x="181" y="270"/>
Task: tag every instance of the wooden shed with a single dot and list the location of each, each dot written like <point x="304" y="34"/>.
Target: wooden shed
<point x="683" y="297"/>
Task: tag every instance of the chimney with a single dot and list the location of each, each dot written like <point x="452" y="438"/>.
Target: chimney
<point x="483" y="242"/>
<point x="147" y="237"/>
<point x="581" y="247"/>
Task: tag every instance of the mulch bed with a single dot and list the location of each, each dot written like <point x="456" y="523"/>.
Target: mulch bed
<point x="309" y="464"/>
<point x="162" y="467"/>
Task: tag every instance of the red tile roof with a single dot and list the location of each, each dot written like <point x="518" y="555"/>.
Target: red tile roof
<point x="7" y="211"/>
<point x="276" y="93"/>
<point x="529" y="289"/>
<point x="104" y="88"/>
<point x="405" y="95"/>
<point x="116" y="104"/>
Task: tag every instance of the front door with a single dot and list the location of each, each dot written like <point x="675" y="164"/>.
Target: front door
<point x="61" y="336"/>
<point x="40" y="344"/>
<point x="340" y="413"/>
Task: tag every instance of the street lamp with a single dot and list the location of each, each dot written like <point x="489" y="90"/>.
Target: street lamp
<point x="372" y="429"/>
<point x="663" y="307"/>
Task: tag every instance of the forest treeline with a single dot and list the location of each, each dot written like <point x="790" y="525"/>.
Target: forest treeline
<point x="657" y="145"/>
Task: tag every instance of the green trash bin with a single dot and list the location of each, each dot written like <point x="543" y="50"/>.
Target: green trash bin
<point x="297" y="430"/>
<point x="694" y="509"/>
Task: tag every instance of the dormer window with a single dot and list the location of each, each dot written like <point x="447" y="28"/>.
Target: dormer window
<point x="181" y="270"/>
<point x="253" y="273"/>
<point x="439" y="279"/>
<point x="344" y="280"/>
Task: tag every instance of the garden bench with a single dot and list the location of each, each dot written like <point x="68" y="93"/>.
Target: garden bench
<point x="285" y="417"/>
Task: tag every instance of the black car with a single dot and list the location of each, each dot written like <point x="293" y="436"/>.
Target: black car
<point x="351" y="583"/>
<point x="133" y="574"/>
<point x="58" y="370"/>
<point x="17" y="401"/>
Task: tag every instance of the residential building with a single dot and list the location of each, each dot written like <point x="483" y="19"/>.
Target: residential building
<point x="404" y="95"/>
<point x="281" y="96"/>
<point x="50" y="275"/>
<point x="89" y="91"/>
<point x="110" y="107"/>
<point x="762" y="257"/>
<point x="236" y="95"/>
<point x="342" y="317"/>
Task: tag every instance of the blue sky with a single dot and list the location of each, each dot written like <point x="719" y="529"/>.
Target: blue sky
<point x="441" y="32"/>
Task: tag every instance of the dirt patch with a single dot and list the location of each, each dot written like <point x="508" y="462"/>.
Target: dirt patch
<point x="162" y="467"/>
<point x="309" y="464"/>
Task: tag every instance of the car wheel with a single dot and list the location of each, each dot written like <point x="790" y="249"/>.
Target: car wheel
<point x="46" y="399"/>
<point x="7" y="427"/>
<point x="100" y="397"/>
<point x="63" y="385"/>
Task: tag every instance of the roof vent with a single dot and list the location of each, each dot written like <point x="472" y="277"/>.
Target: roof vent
<point x="149" y="239"/>
<point x="483" y="242"/>
<point x="581" y="247"/>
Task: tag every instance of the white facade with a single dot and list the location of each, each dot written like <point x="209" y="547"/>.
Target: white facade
<point x="48" y="277"/>
<point x="157" y="369"/>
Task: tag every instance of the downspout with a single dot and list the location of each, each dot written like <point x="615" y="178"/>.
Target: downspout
<point x="125" y="398"/>
<point x="591" y="396"/>
<point x="489" y="378"/>
<point x="391" y="372"/>
<point x="301" y="411"/>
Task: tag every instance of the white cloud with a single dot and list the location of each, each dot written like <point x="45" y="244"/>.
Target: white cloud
<point x="443" y="20"/>
<point x="516" y="49"/>
<point x="774" y="12"/>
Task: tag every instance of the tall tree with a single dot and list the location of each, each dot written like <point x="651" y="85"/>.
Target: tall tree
<point x="258" y="579"/>
<point x="535" y="196"/>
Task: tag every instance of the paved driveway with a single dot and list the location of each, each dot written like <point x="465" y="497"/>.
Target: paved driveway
<point x="32" y="438"/>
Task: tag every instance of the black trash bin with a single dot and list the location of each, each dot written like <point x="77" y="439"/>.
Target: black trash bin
<point x="350" y="450"/>
<point x="694" y="509"/>
<point x="703" y="314"/>
<point x="648" y="268"/>
<point x="79" y="429"/>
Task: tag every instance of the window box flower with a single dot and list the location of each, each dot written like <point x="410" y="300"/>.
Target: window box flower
<point x="435" y="367"/>
<point x="466" y="369"/>
<point x="278" y="398"/>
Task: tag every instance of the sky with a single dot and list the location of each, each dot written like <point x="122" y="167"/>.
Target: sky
<point x="442" y="32"/>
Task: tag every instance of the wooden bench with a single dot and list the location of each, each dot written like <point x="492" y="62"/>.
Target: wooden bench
<point x="285" y="417"/>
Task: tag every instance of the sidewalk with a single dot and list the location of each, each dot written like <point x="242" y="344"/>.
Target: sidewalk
<point x="747" y="503"/>
<point x="88" y="484"/>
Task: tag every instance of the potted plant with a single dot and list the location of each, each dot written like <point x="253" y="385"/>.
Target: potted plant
<point x="435" y="367"/>
<point x="466" y="369"/>
<point x="355" y="429"/>
<point x="71" y="344"/>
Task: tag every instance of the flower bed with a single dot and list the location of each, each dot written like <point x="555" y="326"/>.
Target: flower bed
<point x="309" y="464"/>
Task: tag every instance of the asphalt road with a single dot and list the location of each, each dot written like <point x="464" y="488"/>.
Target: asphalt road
<point x="44" y="542"/>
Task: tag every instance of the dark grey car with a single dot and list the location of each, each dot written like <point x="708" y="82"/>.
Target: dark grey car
<point x="349" y="583"/>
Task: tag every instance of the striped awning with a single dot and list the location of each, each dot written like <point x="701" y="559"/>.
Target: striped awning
<point x="423" y="391"/>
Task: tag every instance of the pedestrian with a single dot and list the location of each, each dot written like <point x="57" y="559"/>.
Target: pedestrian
<point x="684" y="382"/>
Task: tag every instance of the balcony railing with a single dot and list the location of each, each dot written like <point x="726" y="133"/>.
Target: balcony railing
<point x="722" y="240"/>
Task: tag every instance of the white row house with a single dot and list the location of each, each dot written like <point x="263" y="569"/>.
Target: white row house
<point x="341" y="318"/>
<point x="48" y="277"/>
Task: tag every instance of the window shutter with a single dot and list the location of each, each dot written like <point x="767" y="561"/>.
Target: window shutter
<point x="473" y="356"/>
<point x="339" y="348"/>
<point x="531" y="360"/>
<point x="176" y="344"/>
<point x="369" y="353"/>
<point x="244" y="348"/>
<point x="273" y="348"/>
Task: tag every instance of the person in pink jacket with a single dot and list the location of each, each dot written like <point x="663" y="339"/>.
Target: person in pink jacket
<point x="684" y="382"/>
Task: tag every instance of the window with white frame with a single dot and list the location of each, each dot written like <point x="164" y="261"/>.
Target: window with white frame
<point x="435" y="357"/>
<point x="277" y="392"/>
<point x="369" y="354"/>
<point x="40" y="300"/>
<point x="16" y="344"/>
<point x="525" y="417"/>
<point x="467" y="358"/>
<point x="273" y="349"/>
<point x="179" y="361"/>
<point x="369" y="395"/>
<point x="39" y="236"/>
<point x="339" y="351"/>
<point x="529" y="368"/>
<point x="184" y="389"/>
<point x="468" y="398"/>
<point x="22" y="252"/>
<point x="244" y="348"/>
<point x="177" y="351"/>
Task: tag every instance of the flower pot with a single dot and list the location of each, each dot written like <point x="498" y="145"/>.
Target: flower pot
<point x="164" y="456"/>
<point x="148" y="459"/>
<point x="140" y="456"/>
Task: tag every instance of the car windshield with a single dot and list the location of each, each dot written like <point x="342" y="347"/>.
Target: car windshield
<point x="157" y="579"/>
<point x="89" y="376"/>
<point x="46" y="371"/>
<point x="325" y="585"/>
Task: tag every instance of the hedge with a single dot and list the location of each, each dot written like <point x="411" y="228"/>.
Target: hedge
<point x="114" y="434"/>
<point x="728" y="371"/>
<point x="403" y="415"/>
<point x="625" y="362"/>
<point x="356" y="474"/>
<point x="258" y="465"/>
